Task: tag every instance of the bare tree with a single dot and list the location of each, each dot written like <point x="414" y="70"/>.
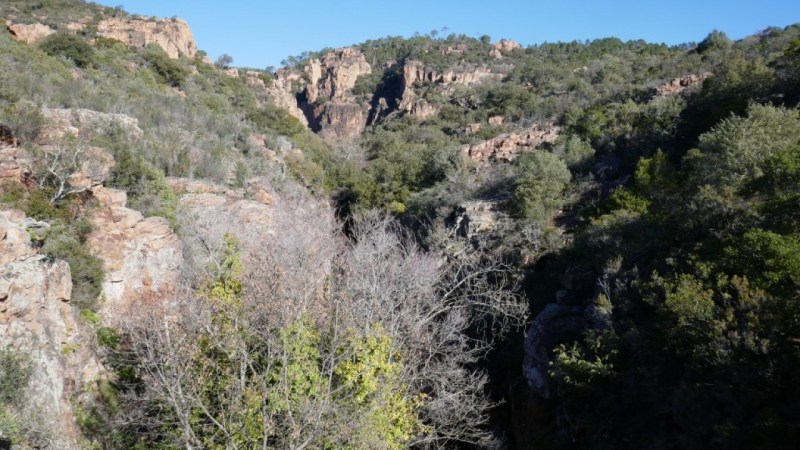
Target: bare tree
<point x="69" y="167"/>
<point x="271" y="340"/>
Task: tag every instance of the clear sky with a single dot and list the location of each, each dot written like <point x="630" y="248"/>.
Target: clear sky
<point x="262" y="33"/>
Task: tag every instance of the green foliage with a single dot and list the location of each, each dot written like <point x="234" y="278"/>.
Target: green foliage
<point x="299" y="373"/>
<point x="23" y="118"/>
<point x="15" y="370"/>
<point x="169" y="71"/>
<point x="576" y="153"/>
<point x="587" y="366"/>
<point x="146" y="186"/>
<point x="771" y="260"/>
<point x="64" y="242"/>
<point x="273" y="118"/>
<point x="370" y="378"/>
<point x="69" y="46"/>
<point x="716" y="40"/>
<point x="736" y="152"/>
<point x="541" y="180"/>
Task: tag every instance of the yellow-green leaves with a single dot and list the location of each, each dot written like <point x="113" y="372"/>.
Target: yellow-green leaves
<point x="370" y="374"/>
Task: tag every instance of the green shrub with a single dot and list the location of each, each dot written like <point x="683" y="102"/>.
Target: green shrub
<point x="24" y="119"/>
<point x="69" y="46"/>
<point x="540" y="185"/>
<point x="63" y="242"/>
<point x="278" y="120"/>
<point x="146" y="186"/>
<point x="167" y="70"/>
<point x="15" y="370"/>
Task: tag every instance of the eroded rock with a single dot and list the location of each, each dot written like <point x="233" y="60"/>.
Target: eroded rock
<point x="30" y="33"/>
<point x="141" y="256"/>
<point x="507" y="46"/>
<point x="508" y="146"/>
<point x="172" y="35"/>
<point x="37" y="321"/>
<point x="679" y="84"/>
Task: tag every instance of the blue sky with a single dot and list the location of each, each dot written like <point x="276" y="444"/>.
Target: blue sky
<point x="262" y="33"/>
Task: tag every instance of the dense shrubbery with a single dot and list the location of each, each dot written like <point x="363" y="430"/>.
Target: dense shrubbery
<point x="168" y="71"/>
<point x="69" y="46"/>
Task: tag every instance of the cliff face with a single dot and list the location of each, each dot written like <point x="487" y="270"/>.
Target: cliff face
<point x="173" y="35"/>
<point x="335" y="76"/>
<point x="37" y="321"/>
<point x="508" y="146"/>
<point x="141" y="256"/>
<point x="417" y="72"/>
<point x="321" y="96"/>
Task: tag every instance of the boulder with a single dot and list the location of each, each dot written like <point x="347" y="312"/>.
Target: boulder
<point x="473" y="128"/>
<point x="15" y="164"/>
<point x="95" y="169"/>
<point x="474" y="217"/>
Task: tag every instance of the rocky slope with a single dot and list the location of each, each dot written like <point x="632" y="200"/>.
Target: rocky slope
<point x="173" y="35"/>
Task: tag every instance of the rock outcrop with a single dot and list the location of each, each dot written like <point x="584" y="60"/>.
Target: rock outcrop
<point x="507" y="45"/>
<point x="141" y="256"/>
<point x="508" y="146"/>
<point x="474" y="217"/>
<point x="679" y="84"/>
<point x="15" y="164"/>
<point x="340" y="120"/>
<point x="37" y="321"/>
<point x="338" y="116"/>
<point x="172" y="35"/>
<point x="30" y="33"/>
<point x="284" y="90"/>
<point x="334" y="77"/>
<point x="321" y="96"/>
<point x="417" y="107"/>
<point x="417" y="72"/>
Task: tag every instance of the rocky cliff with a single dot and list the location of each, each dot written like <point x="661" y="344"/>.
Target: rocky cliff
<point x="141" y="256"/>
<point x="173" y="35"/>
<point x="321" y="95"/>
<point x="508" y="146"/>
<point x="334" y="77"/>
<point x="37" y="321"/>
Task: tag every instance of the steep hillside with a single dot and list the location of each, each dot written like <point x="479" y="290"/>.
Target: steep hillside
<point x="433" y="242"/>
